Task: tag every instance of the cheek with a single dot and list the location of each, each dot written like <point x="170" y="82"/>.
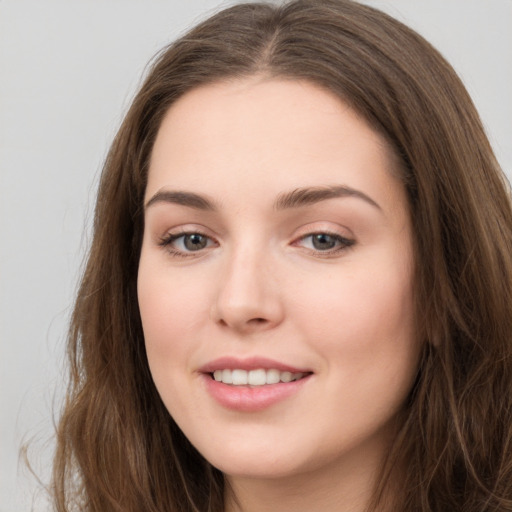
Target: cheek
<point x="363" y="320"/>
<point x="170" y="311"/>
<point x="362" y="301"/>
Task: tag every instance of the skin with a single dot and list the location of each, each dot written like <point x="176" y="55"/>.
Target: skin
<point x="261" y="287"/>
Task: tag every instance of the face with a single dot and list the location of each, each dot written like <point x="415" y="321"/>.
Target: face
<point x="275" y="279"/>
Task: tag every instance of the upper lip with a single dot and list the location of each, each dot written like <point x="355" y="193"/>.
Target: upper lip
<point x="251" y="363"/>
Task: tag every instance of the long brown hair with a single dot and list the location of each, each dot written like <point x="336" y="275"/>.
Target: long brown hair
<point x="118" y="448"/>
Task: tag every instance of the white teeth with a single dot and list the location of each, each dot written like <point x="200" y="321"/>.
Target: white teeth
<point x="226" y="377"/>
<point x="239" y="377"/>
<point x="258" y="377"/>
<point x="286" y="377"/>
<point x="272" y="376"/>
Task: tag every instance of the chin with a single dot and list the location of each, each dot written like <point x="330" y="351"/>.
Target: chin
<point x="257" y="469"/>
<point x="256" y="461"/>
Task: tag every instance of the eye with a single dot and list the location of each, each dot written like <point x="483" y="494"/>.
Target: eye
<point x="193" y="241"/>
<point x="182" y="244"/>
<point x="325" y="242"/>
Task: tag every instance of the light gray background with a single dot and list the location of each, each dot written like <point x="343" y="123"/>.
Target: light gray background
<point x="67" y="72"/>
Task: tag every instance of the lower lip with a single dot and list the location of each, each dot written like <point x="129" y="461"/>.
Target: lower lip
<point x="252" y="399"/>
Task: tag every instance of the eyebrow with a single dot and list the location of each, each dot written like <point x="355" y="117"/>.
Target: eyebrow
<point x="311" y="195"/>
<point x="294" y="199"/>
<point x="182" y="198"/>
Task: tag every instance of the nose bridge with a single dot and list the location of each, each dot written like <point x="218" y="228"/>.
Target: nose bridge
<point x="247" y="297"/>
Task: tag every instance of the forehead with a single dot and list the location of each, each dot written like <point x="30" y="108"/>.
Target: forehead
<point x="242" y="134"/>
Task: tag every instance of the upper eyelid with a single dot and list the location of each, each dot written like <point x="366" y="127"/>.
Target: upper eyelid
<point x="187" y="229"/>
<point x="171" y="236"/>
<point x="313" y="228"/>
<point x="301" y="232"/>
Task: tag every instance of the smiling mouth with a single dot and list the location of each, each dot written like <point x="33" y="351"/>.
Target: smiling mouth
<point x="258" y="377"/>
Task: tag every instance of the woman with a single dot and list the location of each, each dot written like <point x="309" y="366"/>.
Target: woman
<point x="298" y="294"/>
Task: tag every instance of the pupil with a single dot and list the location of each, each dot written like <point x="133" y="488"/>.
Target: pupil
<point x="195" y="242"/>
<point x="323" y="241"/>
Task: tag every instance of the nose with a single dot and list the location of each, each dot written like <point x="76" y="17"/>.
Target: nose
<point x="248" y="298"/>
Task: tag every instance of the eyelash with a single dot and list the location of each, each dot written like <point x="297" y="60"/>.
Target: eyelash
<point x="343" y="243"/>
<point x="169" y="239"/>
